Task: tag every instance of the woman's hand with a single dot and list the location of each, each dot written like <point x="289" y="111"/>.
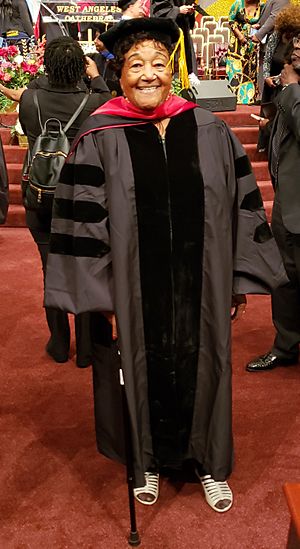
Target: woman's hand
<point x="186" y="10"/>
<point x="243" y="39"/>
<point x="238" y="306"/>
<point x="288" y="75"/>
<point x="12" y="93"/>
<point x="91" y="68"/>
<point x="269" y="81"/>
<point x="263" y="122"/>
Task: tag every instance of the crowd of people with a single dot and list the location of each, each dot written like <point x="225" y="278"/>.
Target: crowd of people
<point x="158" y="231"/>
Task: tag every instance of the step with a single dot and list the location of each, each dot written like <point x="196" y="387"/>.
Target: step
<point x="266" y="189"/>
<point x="268" y="205"/>
<point x="15" y="193"/>
<point x="14" y="173"/>
<point x="260" y="170"/>
<point x="246" y="134"/>
<point x="240" y="117"/>
<point x="6" y="136"/>
<point x="15" y="216"/>
<point x="8" y="119"/>
<point x="253" y="154"/>
<point x="292" y="494"/>
<point x="14" y="154"/>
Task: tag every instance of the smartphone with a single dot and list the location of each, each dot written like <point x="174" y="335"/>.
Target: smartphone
<point x="256" y="117"/>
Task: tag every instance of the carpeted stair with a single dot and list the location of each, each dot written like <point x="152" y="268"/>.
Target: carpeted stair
<point x="14" y="155"/>
<point x="243" y="125"/>
<point x="246" y="129"/>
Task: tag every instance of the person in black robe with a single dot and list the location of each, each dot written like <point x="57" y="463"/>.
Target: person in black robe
<point x="15" y="23"/>
<point x="158" y="219"/>
<point x="183" y="14"/>
<point x="104" y="59"/>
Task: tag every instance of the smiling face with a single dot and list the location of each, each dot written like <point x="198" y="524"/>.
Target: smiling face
<point x="146" y="78"/>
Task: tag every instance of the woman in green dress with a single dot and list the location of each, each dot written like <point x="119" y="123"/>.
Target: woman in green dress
<point x="242" y="57"/>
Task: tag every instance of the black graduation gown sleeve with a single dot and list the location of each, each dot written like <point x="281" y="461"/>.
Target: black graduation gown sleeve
<point x="257" y="264"/>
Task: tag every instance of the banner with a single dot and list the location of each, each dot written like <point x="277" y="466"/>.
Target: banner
<point x="81" y="11"/>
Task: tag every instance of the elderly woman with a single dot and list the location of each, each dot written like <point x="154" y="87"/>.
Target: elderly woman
<point x="158" y="218"/>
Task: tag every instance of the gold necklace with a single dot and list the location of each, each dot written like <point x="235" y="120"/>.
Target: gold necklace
<point x="161" y="125"/>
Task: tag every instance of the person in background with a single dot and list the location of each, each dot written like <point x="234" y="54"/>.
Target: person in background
<point x="265" y="27"/>
<point x="284" y="166"/>
<point x="131" y="9"/>
<point x="242" y="56"/>
<point x="59" y="95"/>
<point x="184" y="15"/>
<point x="15" y="22"/>
<point x="52" y="25"/>
<point x="33" y="7"/>
<point x="103" y="59"/>
<point x="167" y="200"/>
<point x="287" y="24"/>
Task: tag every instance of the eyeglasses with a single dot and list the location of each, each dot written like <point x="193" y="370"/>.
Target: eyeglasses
<point x="296" y="41"/>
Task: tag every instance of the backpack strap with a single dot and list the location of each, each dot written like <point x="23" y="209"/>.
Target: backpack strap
<point x="36" y="102"/>
<point x="73" y="117"/>
<point x="77" y="112"/>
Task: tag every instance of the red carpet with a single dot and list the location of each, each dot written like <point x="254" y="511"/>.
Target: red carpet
<point x="57" y="492"/>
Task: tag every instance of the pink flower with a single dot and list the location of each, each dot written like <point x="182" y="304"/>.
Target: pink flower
<point x="29" y="68"/>
<point x="6" y="64"/>
<point x="4" y="52"/>
<point x="12" y="50"/>
<point x="7" y="77"/>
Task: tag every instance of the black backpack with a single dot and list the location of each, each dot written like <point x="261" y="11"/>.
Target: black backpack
<point x="46" y="161"/>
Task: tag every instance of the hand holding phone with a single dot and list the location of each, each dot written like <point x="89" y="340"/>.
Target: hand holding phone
<point x="256" y="117"/>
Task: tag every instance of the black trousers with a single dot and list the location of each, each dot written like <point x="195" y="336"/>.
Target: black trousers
<point x="286" y="299"/>
<point x="57" y="320"/>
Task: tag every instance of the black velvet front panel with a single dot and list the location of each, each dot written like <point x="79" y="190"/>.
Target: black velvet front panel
<point x="170" y="209"/>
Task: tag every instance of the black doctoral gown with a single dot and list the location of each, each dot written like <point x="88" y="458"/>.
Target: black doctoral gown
<point x="162" y="233"/>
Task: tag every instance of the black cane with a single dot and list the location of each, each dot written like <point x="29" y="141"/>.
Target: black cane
<point x="134" y="538"/>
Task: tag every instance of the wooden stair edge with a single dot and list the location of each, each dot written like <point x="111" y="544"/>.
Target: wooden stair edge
<point x="292" y="494"/>
<point x="15" y="165"/>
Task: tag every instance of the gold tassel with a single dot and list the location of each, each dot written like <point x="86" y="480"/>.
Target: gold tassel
<point x="182" y="68"/>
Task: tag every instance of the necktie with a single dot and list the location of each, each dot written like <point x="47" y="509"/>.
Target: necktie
<point x="275" y="147"/>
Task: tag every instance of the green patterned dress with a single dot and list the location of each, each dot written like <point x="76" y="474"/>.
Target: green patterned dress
<point x="242" y="59"/>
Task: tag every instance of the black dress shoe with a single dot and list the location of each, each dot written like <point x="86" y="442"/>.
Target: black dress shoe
<point x="268" y="362"/>
<point x="60" y="358"/>
<point x="83" y="364"/>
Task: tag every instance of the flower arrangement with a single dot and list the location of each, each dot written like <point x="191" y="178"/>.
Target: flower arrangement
<point x="16" y="69"/>
<point x="176" y="87"/>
